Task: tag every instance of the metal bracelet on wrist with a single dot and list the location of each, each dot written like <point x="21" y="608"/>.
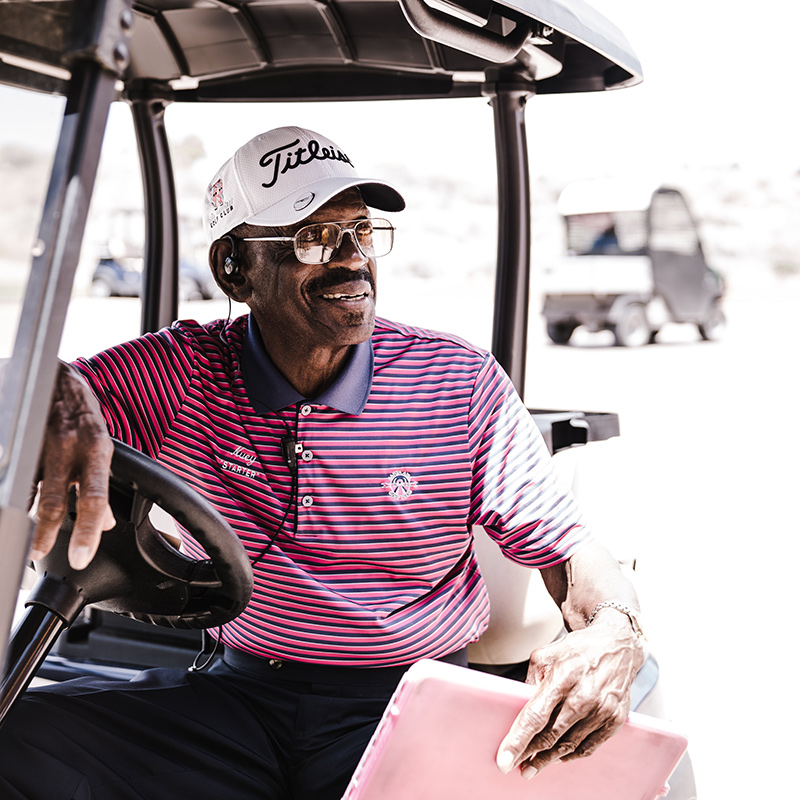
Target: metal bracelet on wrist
<point x="627" y="610"/>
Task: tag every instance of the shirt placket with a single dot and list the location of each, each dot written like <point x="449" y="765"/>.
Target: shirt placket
<point x="305" y="455"/>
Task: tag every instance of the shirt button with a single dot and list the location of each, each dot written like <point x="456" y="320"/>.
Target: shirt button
<point x="305" y="410"/>
<point x="307" y="455"/>
<point x="275" y="663"/>
<point x="307" y="501"/>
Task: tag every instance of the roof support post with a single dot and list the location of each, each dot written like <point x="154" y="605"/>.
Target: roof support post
<point x="160" y="277"/>
<point x="508" y="96"/>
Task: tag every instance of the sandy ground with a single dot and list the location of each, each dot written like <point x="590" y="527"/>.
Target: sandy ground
<point x="701" y="488"/>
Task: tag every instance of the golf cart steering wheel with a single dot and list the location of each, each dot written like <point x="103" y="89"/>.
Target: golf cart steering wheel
<point x="136" y="571"/>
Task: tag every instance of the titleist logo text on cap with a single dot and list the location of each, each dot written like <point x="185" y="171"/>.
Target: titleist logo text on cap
<point x="282" y="161"/>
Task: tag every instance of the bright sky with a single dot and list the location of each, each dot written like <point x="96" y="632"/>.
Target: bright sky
<point x="720" y="82"/>
<point x="720" y="88"/>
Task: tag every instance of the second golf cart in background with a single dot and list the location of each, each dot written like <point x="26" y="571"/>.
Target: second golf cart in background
<point x="634" y="263"/>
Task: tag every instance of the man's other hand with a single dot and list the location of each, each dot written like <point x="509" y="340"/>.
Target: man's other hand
<point x="582" y="695"/>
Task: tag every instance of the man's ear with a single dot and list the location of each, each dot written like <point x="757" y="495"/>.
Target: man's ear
<point x="228" y="269"/>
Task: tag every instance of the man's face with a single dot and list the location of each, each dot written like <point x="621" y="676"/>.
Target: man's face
<point x="314" y="306"/>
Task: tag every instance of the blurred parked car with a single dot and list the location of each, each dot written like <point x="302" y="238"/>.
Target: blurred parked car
<point x="117" y="278"/>
<point x="122" y="277"/>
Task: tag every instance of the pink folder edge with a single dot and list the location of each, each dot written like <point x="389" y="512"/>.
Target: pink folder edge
<point x="439" y="735"/>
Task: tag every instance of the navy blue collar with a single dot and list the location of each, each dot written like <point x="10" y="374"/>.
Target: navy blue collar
<point x="268" y="390"/>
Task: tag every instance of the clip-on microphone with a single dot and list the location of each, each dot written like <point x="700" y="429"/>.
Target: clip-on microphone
<point x="291" y="448"/>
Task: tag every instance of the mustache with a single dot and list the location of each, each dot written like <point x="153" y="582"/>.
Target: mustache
<point x="337" y="276"/>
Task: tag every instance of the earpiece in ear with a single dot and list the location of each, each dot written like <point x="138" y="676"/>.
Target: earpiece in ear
<point x="231" y="263"/>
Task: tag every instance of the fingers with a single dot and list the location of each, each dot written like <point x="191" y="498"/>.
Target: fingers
<point x="93" y="512"/>
<point x="566" y="742"/>
<point x="52" y="503"/>
<point x="582" y="699"/>
<point x="562" y="739"/>
<point x="533" y="729"/>
<point x="593" y="741"/>
<point x="530" y="723"/>
<point x="77" y="451"/>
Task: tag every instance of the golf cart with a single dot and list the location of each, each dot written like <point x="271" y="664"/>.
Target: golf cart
<point x="634" y="263"/>
<point x="148" y="56"/>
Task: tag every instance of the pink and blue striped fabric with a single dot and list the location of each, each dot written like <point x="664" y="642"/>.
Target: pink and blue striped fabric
<point x="372" y="562"/>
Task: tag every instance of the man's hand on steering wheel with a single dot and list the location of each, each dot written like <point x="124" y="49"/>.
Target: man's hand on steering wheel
<point x="76" y="451"/>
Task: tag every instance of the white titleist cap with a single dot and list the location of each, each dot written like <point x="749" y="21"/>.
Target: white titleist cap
<point x="283" y="176"/>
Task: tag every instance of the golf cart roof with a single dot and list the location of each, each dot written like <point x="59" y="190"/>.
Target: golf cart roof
<point x="215" y="50"/>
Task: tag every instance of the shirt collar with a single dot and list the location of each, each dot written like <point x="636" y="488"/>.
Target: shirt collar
<point x="268" y="390"/>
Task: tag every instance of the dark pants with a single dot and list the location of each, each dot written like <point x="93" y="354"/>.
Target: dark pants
<point x="242" y="730"/>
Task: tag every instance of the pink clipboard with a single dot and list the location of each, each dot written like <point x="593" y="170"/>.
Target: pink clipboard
<point x="439" y="736"/>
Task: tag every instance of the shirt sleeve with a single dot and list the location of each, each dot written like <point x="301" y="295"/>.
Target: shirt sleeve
<point x="141" y="385"/>
<point x="515" y="494"/>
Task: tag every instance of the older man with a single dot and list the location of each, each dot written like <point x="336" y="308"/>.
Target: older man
<point x="352" y="456"/>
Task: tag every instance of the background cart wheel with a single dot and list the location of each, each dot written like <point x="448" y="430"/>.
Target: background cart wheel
<point x="632" y="328"/>
<point x="560" y="332"/>
<point x="712" y="329"/>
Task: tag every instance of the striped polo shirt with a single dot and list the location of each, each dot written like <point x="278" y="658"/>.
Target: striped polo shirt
<point x="363" y="552"/>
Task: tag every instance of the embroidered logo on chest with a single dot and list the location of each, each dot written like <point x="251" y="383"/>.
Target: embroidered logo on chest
<point x="235" y="465"/>
<point x="400" y="485"/>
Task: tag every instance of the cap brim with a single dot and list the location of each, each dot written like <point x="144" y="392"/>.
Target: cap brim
<point x="299" y="205"/>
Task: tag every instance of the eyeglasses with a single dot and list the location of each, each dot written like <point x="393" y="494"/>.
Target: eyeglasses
<point x="318" y="243"/>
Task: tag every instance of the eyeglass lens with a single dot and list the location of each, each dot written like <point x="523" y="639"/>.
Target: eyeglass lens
<point x="317" y="244"/>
